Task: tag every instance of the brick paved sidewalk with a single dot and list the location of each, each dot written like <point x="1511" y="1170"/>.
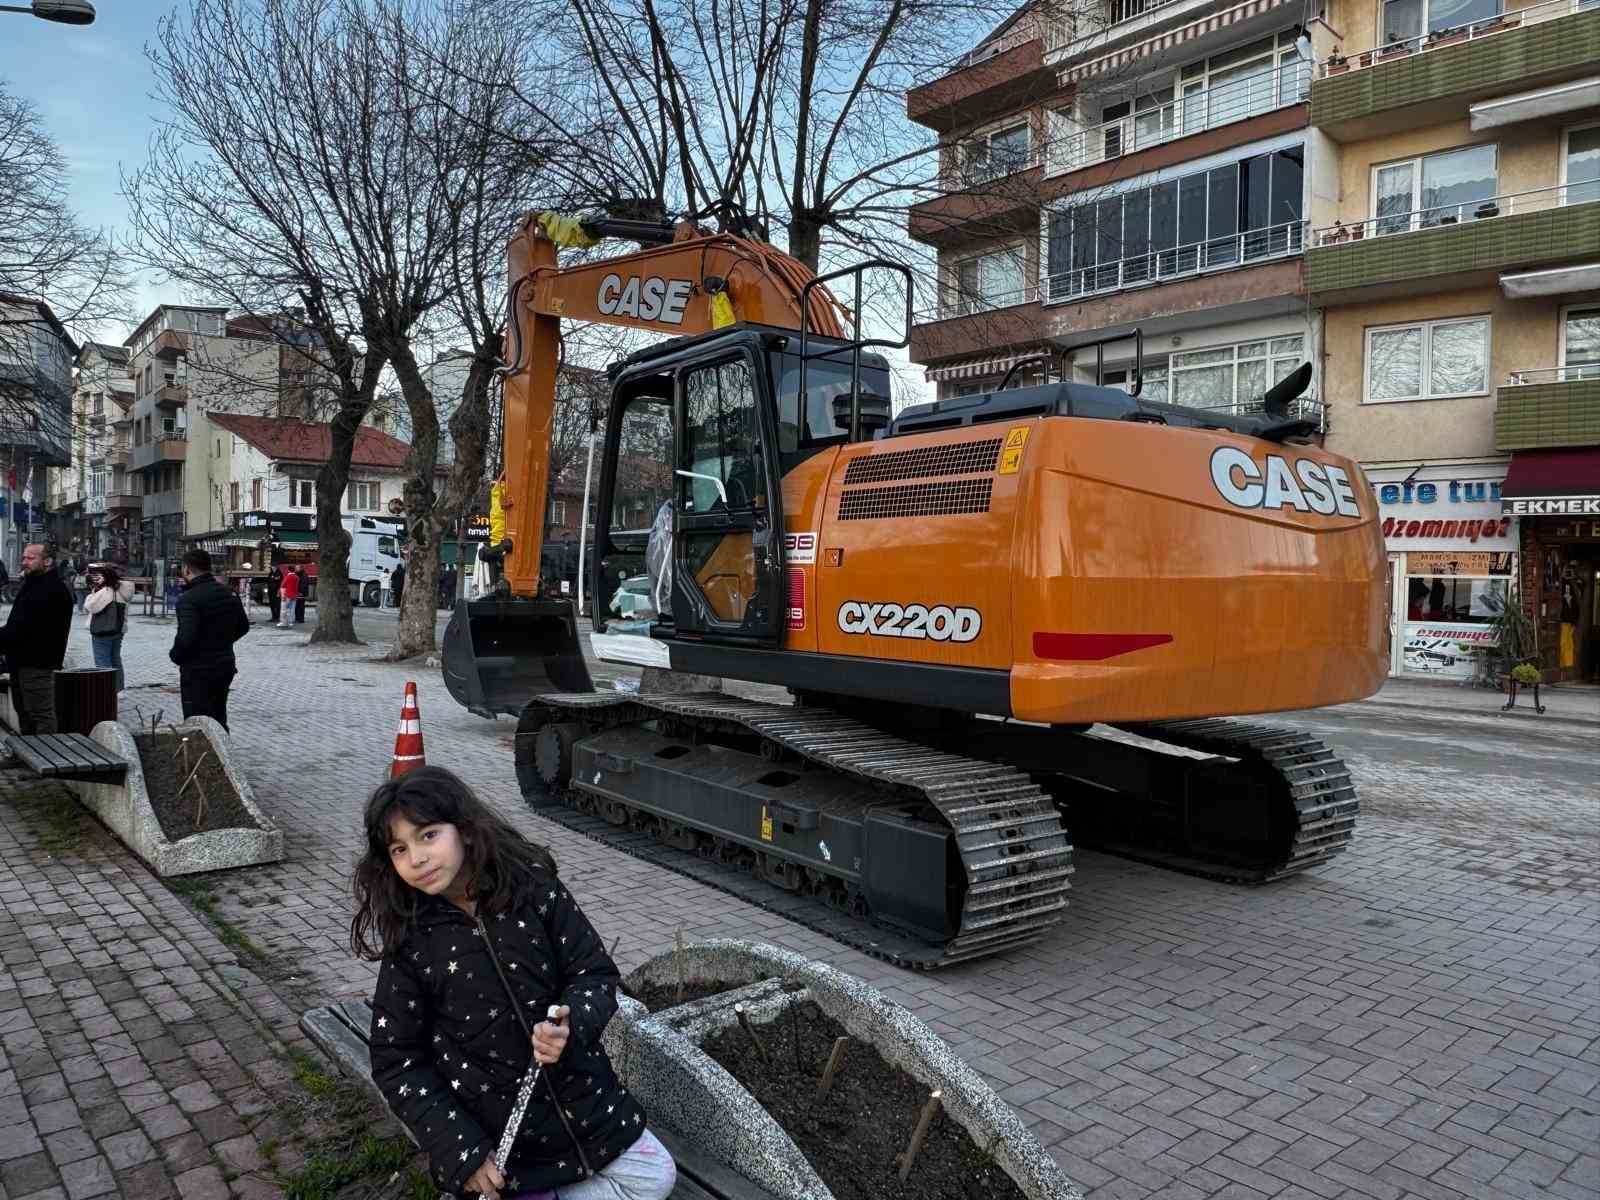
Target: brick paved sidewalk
<point x="1419" y="1019"/>
<point x="137" y="1057"/>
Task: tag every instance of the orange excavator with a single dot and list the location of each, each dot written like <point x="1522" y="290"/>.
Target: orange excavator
<point x="1008" y="622"/>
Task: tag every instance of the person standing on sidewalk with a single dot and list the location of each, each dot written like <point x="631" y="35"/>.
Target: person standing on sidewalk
<point x="275" y="592"/>
<point x="397" y="582"/>
<point x="210" y="621"/>
<point x="34" y="639"/>
<point x="290" y="593"/>
<point x="107" y="606"/>
<point x="301" y="592"/>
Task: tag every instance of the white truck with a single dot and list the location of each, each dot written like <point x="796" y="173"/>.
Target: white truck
<point x="374" y="554"/>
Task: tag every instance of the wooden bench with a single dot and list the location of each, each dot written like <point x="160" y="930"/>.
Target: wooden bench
<point x="67" y="756"/>
<point x="342" y="1032"/>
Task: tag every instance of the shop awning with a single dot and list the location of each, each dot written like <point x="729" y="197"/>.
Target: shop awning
<point x="295" y="537"/>
<point x="976" y="368"/>
<point x="241" y="540"/>
<point x="1165" y="41"/>
<point x="1555" y="483"/>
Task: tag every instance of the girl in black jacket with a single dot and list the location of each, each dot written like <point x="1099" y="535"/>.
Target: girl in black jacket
<point x="477" y="937"/>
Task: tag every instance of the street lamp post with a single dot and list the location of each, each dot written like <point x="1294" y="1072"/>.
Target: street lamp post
<point x="64" y="12"/>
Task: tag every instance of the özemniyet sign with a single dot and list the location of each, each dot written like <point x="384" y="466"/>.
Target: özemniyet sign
<point x="1434" y="514"/>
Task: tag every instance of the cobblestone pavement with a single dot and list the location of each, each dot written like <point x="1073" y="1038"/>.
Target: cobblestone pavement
<point x="1420" y="1019"/>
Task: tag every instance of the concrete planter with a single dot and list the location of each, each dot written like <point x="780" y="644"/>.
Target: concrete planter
<point x="659" y="1058"/>
<point x="125" y="809"/>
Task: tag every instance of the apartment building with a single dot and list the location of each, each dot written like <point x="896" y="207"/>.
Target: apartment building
<point x="1119" y="163"/>
<point x="185" y="363"/>
<point x="36" y="354"/>
<point x="1406" y="193"/>
<point x="90" y="500"/>
<point x="1455" y="257"/>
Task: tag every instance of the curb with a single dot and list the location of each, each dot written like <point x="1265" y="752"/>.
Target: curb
<point x="1494" y="711"/>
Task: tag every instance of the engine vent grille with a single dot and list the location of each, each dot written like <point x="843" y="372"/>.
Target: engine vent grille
<point x="946" y="499"/>
<point x="961" y="458"/>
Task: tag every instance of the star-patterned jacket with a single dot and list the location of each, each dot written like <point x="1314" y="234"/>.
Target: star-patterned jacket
<point x="448" y="1052"/>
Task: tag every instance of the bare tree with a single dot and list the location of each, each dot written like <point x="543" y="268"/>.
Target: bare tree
<point x="46" y="254"/>
<point x="301" y="170"/>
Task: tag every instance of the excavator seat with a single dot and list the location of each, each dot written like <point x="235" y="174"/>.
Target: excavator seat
<point x="500" y="653"/>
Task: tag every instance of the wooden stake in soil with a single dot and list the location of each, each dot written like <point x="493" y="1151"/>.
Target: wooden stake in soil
<point x="744" y="1022"/>
<point x="829" y="1071"/>
<point x="678" y="938"/>
<point x="920" y="1133"/>
<point x="200" y="801"/>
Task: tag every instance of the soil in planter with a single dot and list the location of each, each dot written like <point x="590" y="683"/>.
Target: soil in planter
<point x="657" y="996"/>
<point x="164" y="774"/>
<point x="852" y="1137"/>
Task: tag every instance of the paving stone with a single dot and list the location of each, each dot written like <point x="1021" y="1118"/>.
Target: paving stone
<point x="19" y="1176"/>
<point x="127" y="1149"/>
<point x="201" y="1183"/>
<point x="88" y="1177"/>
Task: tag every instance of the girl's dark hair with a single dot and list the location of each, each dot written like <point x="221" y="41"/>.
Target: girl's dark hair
<point x="499" y="861"/>
<point x="108" y="575"/>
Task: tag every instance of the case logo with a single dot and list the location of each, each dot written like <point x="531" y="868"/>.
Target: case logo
<point x="650" y="299"/>
<point x="941" y="623"/>
<point x="800" y="549"/>
<point x="1309" y="487"/>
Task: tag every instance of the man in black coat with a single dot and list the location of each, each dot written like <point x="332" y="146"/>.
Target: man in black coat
<point x="210" y="621"/>
<point x="34" y="639"/>
<point x="300" y="600"/>
<point x="275" y="593"/>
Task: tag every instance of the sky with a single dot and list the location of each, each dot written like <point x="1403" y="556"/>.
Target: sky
<point x="91" y="85"/>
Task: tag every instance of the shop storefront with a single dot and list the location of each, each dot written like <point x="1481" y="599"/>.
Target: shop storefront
<point x="1452" y="559"/>
<point x="1555" y="494"/>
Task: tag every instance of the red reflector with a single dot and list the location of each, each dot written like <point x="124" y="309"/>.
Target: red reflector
<point x="796" y="600"/>
<point x="1092" y="647"/>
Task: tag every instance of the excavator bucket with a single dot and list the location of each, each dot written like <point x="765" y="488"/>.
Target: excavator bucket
<point x="499" y="654"/>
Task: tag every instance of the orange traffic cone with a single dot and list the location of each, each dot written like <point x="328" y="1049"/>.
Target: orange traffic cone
<point x="408" y="753"/>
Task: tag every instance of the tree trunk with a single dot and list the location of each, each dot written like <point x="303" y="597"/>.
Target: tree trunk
<point x="805" y="239"/>
<point x="418" y="602"/>
<point x="335" y="617"/>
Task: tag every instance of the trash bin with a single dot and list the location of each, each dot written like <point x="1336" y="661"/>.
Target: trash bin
<point x="85" y="696"/>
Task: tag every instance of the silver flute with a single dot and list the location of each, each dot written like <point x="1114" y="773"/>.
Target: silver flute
<point x="520" y="1109"/>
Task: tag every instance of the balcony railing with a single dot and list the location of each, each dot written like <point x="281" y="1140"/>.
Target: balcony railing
<point x="1221" y="105"/>
<point x="971" y="306"/>
<point x="1468" y="212"/>
<point x="1178" y="262"/>
<point x="1570" y="373"/>
<point x="1338" y="64"/>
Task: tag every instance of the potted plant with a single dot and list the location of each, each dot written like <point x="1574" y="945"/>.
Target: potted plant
<point x="1523" y="675"/>
<point x="1487" y="209"/>
<point x="1337" y="63"/>
<point x="1394" y="49"/>
<point x="1336" y="234"/>
<point x="1358" y="231"/>
<point x="1443" y="37"/>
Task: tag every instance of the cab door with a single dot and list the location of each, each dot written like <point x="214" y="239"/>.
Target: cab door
<point x="727" y="543"/>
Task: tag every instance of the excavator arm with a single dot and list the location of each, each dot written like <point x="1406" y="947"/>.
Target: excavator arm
<point x="691" y="283"/>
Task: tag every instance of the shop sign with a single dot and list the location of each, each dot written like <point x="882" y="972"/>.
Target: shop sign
<point x="1554" y="506"/>
<point x="1427" y="516"/>
<point x="478" y="527"/>
<point x="1443" y="648"/>
<point x="1458" y="562"/>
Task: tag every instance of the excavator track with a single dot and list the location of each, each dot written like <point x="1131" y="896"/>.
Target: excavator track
<point x="1014" y="857"/>
<point x="1309" y="786"/>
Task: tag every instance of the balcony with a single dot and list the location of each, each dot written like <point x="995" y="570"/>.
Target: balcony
<point x="94" y="505"/>
<point x="166" y="447"/>
<point x="1464" y="245"/>
<point x="162" y="504"/>
<point x="1004" y="75"/>
<point x="118" y="501"/>
<point x="172" y="395"/>
<point x="1158" y="266"/>
<point x="116" y="456"/>
<point x="1435" y="78"/>
<point x="1224" y="105"/>
<point x="1548" y="408"/>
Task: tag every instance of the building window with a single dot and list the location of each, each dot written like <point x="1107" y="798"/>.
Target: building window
<point x="1580" y="165"/>
<point x="1428" y="360"/>
<point x="255" y="493"/>
<point x="1580" y="343"/>
<point x="302" y="493"/>
<point x="233" y="496"/>
<point x="363" y="497"/>
<point x="1435" y="189"/>
<point x="1407" y="20"/>
<point x="558" y="512"/>
<point x="989" y="281"/>
<point x="1223" y="217"/>
<point x="999" y="152"/>
<point x="1228" y="378"/>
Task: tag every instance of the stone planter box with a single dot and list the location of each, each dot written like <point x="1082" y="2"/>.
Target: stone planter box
<point x="125" y="809"/>
<point x="659" y="1058"/>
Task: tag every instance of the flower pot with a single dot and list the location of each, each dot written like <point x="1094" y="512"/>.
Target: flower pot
<point x="1486" y="210"/>
<point x="1338" y="68"/>
<point x="1366" y="59"/>
<point x="1358" y="232"/>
